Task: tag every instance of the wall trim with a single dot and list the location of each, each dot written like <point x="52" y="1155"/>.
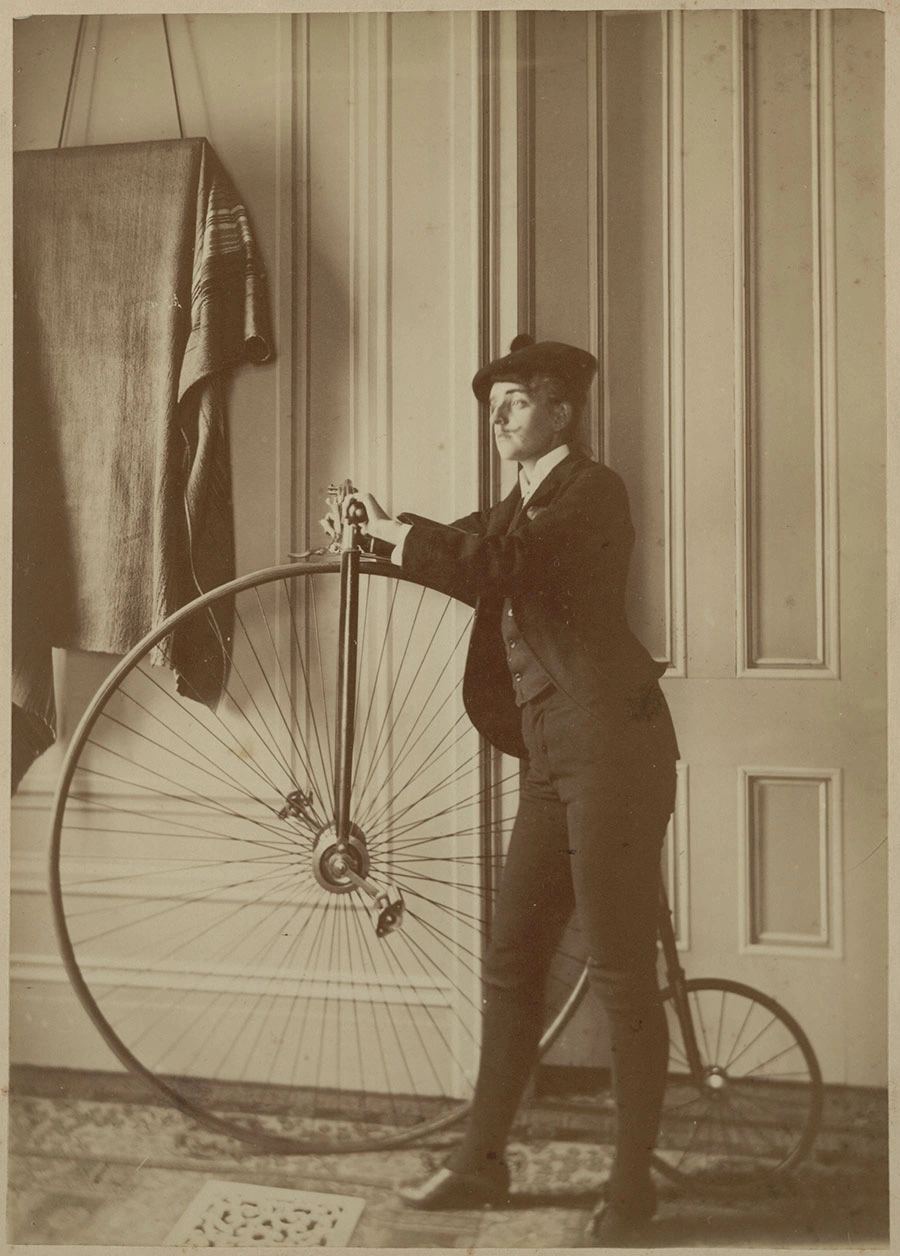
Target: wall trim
<point x="598" y="293"/>
<point x="301" y="509"/>
<point x="283" y="287"/>
<point x="526" y="140"/>
<point x="677" y="860"/>
<point x="466" y="195"/>
<point x="101" y="877"/>
<point x="502" y="264"/>
<point x="825" y="306"/>
<point x="370" y="248"/>
<point x="742" y="133"/>
<point x="674" y="337"/>
<point x="828" y="944"/>
<point x="131" y="975"/>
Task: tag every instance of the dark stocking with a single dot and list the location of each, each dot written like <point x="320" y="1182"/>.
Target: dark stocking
<point x="640" y="1050"/>
<point x="510" y="1035"/>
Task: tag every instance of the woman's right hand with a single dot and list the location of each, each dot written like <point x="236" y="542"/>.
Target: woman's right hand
<point x="331" y="523"/>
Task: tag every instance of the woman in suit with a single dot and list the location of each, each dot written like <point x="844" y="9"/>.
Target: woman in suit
<point x="555" y="675"/>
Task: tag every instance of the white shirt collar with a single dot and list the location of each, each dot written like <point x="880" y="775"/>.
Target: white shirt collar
<point x="542" y="469"/>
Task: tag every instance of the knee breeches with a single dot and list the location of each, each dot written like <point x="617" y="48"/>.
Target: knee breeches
<point x="593" y="810"/>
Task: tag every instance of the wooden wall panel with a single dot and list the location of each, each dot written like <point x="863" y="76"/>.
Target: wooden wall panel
<point x="636" y="285"/>
<point x="434" y="324"/>
<point x="561" y="185"/>
<point x="355" y="141"/>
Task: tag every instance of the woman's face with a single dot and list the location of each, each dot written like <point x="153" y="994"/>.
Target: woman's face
<point x="526" y="426"/>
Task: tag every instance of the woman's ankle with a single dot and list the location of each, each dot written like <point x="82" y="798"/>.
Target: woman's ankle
<point x="632" y="1195"/>
<point x="489" y="1164"/>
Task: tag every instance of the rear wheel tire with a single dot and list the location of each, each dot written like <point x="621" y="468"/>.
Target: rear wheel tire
<point x="755" y="1112"/>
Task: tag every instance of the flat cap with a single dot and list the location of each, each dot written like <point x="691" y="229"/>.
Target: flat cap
<point x="575" y="367"/>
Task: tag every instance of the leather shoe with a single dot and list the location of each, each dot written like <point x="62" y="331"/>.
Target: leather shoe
<point x="609" y="1227"/>
<point x="446" y="1188"/>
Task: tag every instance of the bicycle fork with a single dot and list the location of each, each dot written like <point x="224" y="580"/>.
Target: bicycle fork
<point x="348" y="858"/>
<point x="677" y="980"/>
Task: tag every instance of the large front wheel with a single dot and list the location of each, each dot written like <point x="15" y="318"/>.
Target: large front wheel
<point x="279" y="983"/>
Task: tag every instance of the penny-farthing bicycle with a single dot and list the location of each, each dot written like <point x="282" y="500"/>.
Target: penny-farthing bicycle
<point x="273" y="907"/>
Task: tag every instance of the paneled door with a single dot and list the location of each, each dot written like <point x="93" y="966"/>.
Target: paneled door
<point x="731" y="233"/>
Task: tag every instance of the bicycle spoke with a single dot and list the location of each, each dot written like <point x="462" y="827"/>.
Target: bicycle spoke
<point x="388" y="706"/>
<point x="257" y="962"/>
<point x="127" y="1019"/>
<point x="749" y="1119"/>
<point x="300" y="657"/>
<point x="194" y="799"/>
<point x="374" y="817"/>
<point x="292" y="726"/>
<point x="229" y="778"/>
<point x="772" y="1021"/>
<point x="325" y="695"/>
<point x="255" y="956"/>
<point x="401" y="752"/>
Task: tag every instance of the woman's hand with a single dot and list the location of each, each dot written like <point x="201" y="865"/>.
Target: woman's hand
<point x="378" y="523"/>
<point x="374" y="514"/>
<point x="331" y="523"/>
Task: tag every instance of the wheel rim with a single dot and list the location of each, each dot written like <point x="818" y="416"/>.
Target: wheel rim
<point x="211" y="930"/>
<point x="754" y="1111"/>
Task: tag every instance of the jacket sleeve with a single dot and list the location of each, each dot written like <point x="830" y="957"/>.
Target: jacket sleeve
<point x="455" y="583"/>
<point x="476" y="522"/>
<point x="581" y="533"/>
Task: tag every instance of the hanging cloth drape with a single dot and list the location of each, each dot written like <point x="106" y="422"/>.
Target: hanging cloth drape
<point x="137" y="286"/>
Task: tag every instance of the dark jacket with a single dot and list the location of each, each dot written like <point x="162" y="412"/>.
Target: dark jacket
<point x="564" y="566"/>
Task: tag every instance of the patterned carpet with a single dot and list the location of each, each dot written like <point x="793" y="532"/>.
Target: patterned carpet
<point x="109" y="1172"/>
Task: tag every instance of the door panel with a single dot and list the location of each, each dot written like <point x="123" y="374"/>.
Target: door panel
<point x="740" y="223"/>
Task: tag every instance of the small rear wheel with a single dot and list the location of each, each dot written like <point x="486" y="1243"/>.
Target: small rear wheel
<point x="754" y="1112"/>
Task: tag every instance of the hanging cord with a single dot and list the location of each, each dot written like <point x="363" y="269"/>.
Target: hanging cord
<point x="172" y="74"/>
<point x="75" y="56"/>
<point x="74" y="70"/>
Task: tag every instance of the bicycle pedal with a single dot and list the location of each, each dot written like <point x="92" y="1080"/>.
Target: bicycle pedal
<point x="387" y="913"/>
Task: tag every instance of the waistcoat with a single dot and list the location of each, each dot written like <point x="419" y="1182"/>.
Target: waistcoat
<point x="529" y="677"/>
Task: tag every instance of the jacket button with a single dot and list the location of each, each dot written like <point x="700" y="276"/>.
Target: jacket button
<point x="509" y="611"/>
<point x="518" y="676"/>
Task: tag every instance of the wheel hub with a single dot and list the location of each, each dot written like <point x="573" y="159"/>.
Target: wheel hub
<point x="716" y="1079"/>
<point x="331" y="863"/>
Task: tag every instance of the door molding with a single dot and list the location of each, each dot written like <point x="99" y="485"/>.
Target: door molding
<point x="824" y="664"/>
<point x="755" y="938"/>
<point x="674" y="338"/>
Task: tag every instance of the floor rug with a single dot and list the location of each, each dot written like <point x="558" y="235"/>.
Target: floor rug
<point x="243" y="1214"/>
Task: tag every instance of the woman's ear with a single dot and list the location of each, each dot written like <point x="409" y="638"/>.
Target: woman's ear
<point x="562" y="415"/>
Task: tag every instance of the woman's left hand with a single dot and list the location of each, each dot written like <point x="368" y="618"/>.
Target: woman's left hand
<point x="375" y="513"/>
<point x="378" y="522"/>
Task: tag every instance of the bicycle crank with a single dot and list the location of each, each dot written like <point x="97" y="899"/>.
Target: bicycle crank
<point x="387" y="907"/>
<point x="341" y="868"/>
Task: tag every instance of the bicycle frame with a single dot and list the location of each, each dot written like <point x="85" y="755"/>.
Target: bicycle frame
<point x="721" y="1077"/>
<point x="347" y="663"/>
<point x="677" y="981"/>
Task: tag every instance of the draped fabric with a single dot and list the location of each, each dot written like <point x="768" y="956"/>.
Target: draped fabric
<point x="137" y="287"/>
